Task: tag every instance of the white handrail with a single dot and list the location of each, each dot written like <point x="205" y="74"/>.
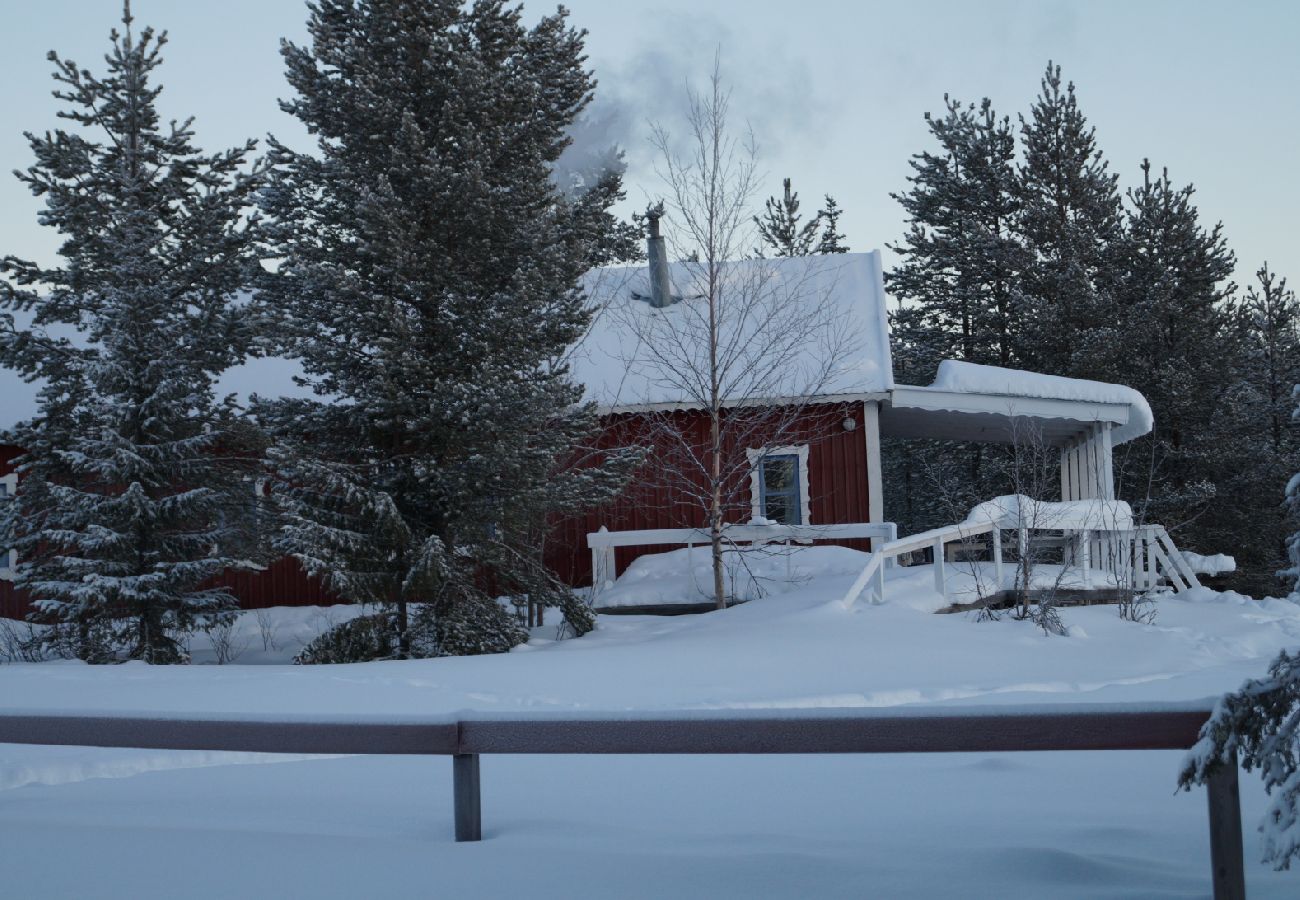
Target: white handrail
<point x="1147" y="551"/>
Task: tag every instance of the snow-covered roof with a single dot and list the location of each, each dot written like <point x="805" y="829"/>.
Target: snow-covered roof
<point x="967" y="401"/>
<point x="822" y="316"/>
<point x="957" y="376"/>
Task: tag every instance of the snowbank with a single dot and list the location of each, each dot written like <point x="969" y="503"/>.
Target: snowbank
<point x="964" y="377"/>
<point x="685" y="576"/>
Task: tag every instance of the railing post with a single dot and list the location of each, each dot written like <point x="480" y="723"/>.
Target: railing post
<point x="996" y="534"/>
<point x="1085" y="557"/>
<point x="940" y="579"/>
<point x="1226" y="855"/>
<point x="465" y="794"/>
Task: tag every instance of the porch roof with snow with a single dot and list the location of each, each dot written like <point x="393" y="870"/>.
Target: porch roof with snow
<point x="987" y="404"/>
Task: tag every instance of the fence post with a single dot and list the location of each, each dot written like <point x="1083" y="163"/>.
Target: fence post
<point x="1226" y="856"/>
<point x="465" y="793"/>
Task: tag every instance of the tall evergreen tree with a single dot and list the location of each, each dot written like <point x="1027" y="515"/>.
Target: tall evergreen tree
<point x="132" y="485"/>
<point x="957" y="286"/>
<point x="1272" y="366"/>
<point x="1273" y="319"/>
<point x="784" y="232"/>
<point x="1069" y="220"/>
<point x="961" y="258"/>
<point x="1180" y="342"/>
<point x="430" y="286"/>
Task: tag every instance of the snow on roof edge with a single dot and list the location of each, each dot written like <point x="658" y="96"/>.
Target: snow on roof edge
<point x="963" y="377"/>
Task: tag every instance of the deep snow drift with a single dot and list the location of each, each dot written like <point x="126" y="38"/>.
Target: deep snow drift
<point x="1067" y="825"/>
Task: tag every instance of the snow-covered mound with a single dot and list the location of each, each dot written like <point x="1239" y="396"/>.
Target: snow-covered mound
<point x="1017" y="510"/>
<point x="1216" y="564"/>
<point x="681" y="577"/>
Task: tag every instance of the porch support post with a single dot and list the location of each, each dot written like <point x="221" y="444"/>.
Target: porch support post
<point x="465" y="793"/>
<point x="996" y="535"/>
<point x="940" y="579"/>
<point x="875" y="480"/>
<point x="1226" y="855"/>
<point x="1107" y="442"/>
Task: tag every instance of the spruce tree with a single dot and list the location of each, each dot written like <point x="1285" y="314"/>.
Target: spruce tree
<point x="831" y="240"/>
<point x="784" y="232"/>
<point x="429" y="283"/>
<point x="134" y="486"/>
<point x="1069" y="220"/>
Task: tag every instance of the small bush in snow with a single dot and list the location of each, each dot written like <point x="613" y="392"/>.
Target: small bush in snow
<point x="1261" y="722"/>
<point x="362" y="639"/>
<point x="473" y="624"/>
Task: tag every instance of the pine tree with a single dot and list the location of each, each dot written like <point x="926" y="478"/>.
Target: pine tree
<point x="429" y="285"/>
<point x="1069" y="220"/>
<point x="831" y="239"/>
<point x="1179" y="339"/>
<point x="1272" y="325"/>
<point x="957" y="286"/>
<point x="133" y="488"/>
<point x="783" y="231"/>
<point x="1273" y="319"/>
<point x="961" y="259"/>
<point x="1292" y="571"/>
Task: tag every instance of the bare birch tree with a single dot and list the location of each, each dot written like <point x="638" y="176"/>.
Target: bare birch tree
<point x="750" y="343"/>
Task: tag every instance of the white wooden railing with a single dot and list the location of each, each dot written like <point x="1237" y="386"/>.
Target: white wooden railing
<point x="603" y="542"/>
<point x="1137" y="557"/>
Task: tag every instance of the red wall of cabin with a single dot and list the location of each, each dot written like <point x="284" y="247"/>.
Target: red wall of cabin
<point x="837" y="481"/>
<point x="837" y="485"/>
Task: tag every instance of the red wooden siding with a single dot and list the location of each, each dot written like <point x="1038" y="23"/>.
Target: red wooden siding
<point x="837" y="483"/>
<point x="283" y="583"/>
<point x="837" y="486"/>
<point x="13" y="605"/>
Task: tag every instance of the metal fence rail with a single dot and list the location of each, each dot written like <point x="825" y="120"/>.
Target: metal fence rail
<point x="465" y="739"/>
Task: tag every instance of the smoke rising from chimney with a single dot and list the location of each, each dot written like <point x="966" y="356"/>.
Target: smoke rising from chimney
<point x="772" y="92"/>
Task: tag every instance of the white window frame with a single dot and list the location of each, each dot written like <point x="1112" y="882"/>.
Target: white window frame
<point x="8" y="557"/>
<point x="756" y="457"/>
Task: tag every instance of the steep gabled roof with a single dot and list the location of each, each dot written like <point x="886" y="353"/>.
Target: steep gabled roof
<point x="820" y="318"/>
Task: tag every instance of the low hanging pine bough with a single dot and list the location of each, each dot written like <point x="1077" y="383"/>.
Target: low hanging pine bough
<point x="1260" y="724"/>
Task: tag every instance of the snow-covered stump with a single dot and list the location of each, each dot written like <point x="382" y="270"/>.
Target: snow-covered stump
<point x="465" y="794"/>
<point x="1226" y="855"/>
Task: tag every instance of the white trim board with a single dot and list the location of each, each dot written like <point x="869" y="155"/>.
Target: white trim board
<point x="755" y="456"/>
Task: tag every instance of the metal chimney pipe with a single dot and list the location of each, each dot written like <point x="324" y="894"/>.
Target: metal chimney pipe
<point x="661" y="291"/>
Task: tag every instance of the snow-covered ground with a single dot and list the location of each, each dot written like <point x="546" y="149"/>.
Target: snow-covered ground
<point x="76" y="821"/>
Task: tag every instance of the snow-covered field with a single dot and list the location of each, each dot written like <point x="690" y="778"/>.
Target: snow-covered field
<point x="121" y="823"/>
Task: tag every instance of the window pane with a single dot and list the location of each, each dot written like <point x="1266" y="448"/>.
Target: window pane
<point x="779" y="509"/>
<point x="779" y="473"/>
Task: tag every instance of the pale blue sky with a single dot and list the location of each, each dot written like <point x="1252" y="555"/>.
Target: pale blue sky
<point x="835" y="90"/>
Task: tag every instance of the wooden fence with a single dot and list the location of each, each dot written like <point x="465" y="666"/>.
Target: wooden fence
<point x="907" y="730"/>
